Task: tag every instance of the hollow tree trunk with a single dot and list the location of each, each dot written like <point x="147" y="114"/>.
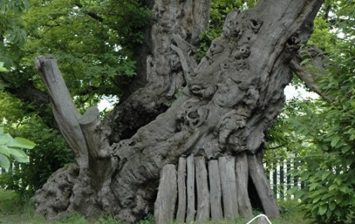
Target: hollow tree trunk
<point x="220" y="108"/>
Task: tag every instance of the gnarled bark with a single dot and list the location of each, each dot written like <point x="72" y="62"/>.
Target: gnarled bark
<point x="224" y="106"/>
<point x="163" y="75"/>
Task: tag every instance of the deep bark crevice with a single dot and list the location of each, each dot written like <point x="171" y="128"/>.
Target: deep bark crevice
<point x="254" y="197"/>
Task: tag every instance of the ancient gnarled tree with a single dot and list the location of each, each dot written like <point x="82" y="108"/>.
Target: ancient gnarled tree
<point x="214" y="113"/>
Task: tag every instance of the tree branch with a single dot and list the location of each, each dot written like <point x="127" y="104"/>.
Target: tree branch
<point x="30" y="93"/>
<point x="277" y="147"/>
<point x="309" y="78"/>
<point x="89" y="13"/>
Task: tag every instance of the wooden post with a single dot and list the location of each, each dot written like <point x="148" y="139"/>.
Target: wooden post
<point x="262" y="186"/>
<point x="181" y="211"/>
<point x="242" y="176"/>
<point x="164" y="207"/>
<point x="203" y="202"/>
<point x="229" y="191"/>
<point x="190" y="216"/>
<point x="215" y="190"/>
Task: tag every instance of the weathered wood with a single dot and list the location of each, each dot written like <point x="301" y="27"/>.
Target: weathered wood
<point x="229" y="191"/>
<point x="157" y="69"/>
<point x="78" y="130"/>
<point x="181" y="211"/>
<point x="64" y="110"/>
<point x="215" y="190"/>
<point x="164" y="207"/>
<point x="203" y="200"/>
<point x="257" y="174"/>
<point x="232" y="182"/>
<point x="99" y="166"/>
<point x="242" y="176"/>
<point x="190" y="213"/>
<point x="88" y="123"/>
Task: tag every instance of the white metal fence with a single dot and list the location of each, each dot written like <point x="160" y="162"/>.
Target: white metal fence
<point x="282" y="178"/>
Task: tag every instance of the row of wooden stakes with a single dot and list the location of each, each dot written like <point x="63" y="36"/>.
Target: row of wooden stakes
<point x="199" y="191"/>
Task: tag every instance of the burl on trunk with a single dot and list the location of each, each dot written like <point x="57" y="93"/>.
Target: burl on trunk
<point x="209" y="117"/>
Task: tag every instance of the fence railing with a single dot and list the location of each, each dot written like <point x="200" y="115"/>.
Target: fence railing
<point x="282" y="178"/>
<point x="12" y="169"/>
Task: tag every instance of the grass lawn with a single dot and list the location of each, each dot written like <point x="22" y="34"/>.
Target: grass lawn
<point x="13" y="210"/>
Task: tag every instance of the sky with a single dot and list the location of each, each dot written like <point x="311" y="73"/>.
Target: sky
<point x="292" y="92"/>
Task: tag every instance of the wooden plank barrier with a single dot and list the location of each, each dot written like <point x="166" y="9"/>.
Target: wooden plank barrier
<point x="199" y="190"/>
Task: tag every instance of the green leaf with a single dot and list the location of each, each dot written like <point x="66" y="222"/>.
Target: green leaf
<point x="19" y="142"/>
<point x="2" y="68"/>
<point x="345" y="189"/>
<point x="5" y="139"/>
<point x="332" y="206"/>
<point x="4" y="162"/>
<point x="2" y="86"/>
<point x="4" y="150"/>
<point x="322" y="209"/>
<point x="19" y="155"/>
<point x="335" y="141"/>
<point x="305" y="61"/>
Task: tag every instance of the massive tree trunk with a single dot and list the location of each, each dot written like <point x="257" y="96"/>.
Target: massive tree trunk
<point x="216" y="111"/>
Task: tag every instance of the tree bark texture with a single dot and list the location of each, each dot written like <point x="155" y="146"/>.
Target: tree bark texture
<point x="216" y="109"/>
<point x="163" y="75"/>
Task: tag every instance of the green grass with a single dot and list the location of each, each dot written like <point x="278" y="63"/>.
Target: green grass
<point x="13" y="210"/>
<point x="290" y="214"/>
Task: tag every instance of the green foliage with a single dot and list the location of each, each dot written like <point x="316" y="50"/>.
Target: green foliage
<point x="49" y="154"/>
<point x="128" y="18"/>
<point x="9" y="201"/>
<point x="11" y="148"/>
<point x="322" y="134"/>
<point x="322" y="139"/>
<point x="327" y="163"/>
<point x="330" y="193"/>
<point x="94" y="41"/>
<point x="12" y="34"/>
<point x="329" y="196"/>
<point x="2" y="68"/>
<point x="283" y="141"/>
<point x="89" y="62"/>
